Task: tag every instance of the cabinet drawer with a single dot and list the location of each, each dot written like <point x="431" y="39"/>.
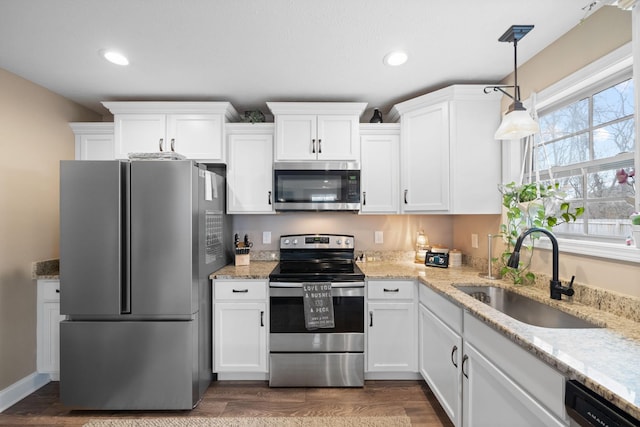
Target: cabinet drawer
<point x="447" y="311"/>
<point x="50" y="290"/>
<point x="390" y="290"/>
<point x="239" y="290"/>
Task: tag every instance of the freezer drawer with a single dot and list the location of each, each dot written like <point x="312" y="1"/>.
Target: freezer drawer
<point x="129" y="365"/>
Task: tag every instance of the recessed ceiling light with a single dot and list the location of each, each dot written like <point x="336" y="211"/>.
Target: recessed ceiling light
<point x="395" y="58"/>
<point x="114" y="57"/>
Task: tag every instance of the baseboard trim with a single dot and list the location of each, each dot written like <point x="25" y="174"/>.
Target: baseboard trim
<point x="392" y="376"/>
<point x="21" y="389"/>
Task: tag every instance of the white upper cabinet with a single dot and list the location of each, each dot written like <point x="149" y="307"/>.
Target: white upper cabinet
<point x="250" y="168"/>
<point x="317" y="130"/>
<point x="194" y="129"/>
<point x="449" y="160"/>
<point x="94" y="141"/>
<point x="379" y="154"/>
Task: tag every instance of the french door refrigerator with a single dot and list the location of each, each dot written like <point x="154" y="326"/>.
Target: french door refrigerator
<point x="138" y="240"/>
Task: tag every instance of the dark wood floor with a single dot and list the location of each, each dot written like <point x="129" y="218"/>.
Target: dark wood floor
<point x="255" y="399"/>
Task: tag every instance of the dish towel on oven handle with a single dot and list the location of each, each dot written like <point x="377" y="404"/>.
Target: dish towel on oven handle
<point x="318" y="305"/>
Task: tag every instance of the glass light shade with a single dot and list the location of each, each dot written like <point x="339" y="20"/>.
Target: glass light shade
<point x="517" y="124"/>
<point x="422" y="245"/>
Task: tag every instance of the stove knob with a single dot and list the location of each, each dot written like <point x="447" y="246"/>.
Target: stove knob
<point x="295" y="241"/>
<point x="339" y="241"/>
<point x="286" y="241"/>
<point x="347" y="242"/>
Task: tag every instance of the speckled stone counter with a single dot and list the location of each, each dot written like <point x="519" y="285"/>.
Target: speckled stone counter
<point x="604" y="359"/>
<point x="47" y="269"/>
<point x="255" y="270"/>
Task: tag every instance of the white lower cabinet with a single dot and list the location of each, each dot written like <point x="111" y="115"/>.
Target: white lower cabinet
<point x="240" y="325"/>
<point x="48" y="328"/>
<point x="391" y="327"/>
<point x="492" y="398"/>
<point x="440" y="359"/>
<point x="480" y="377"/>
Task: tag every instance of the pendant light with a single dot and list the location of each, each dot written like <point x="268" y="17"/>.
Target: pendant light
<point x="517" y="122"/>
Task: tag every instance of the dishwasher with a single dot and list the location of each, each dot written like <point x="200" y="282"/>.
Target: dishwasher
<point x="587" y="408"/>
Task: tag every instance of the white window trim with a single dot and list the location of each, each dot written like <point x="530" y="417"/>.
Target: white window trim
<point x="613" y="63"/>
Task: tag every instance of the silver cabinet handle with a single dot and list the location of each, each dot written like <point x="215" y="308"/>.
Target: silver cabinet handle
<point x="464" y="360"/>
<point x="160" y="143"/>
<point x="313" y="146"/>
<point x="319" y="146"/>
<point x="262" y="319"/>
<point x="453" y="351"/>
<point x="173" y="143"/>
<point x="405" y="196"/>
<point x="240" y="291"/>
<point x="370" y="318"/>
<point x="269" y="197"/>
<point x="364" y="197"/>
<point x="391" y="290"/>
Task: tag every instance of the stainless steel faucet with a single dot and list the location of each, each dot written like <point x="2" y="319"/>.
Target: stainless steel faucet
<point x="555" y="285"/>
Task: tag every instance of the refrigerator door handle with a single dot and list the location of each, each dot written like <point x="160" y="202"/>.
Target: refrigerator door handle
<point x="125" y="241"/>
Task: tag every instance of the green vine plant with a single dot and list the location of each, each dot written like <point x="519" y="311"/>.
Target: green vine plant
<point x="527" y="206"/>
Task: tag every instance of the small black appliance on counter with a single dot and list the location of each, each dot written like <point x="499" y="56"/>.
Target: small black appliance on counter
<point x="436" y="259"/>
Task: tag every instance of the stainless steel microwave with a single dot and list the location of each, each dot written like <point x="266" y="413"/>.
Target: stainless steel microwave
<point x="316" y="186"/>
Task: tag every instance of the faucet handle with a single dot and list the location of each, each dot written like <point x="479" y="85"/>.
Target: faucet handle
<point x="571" y="282"/>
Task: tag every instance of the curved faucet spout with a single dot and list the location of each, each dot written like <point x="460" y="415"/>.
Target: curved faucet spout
<point x="555" y="286"/>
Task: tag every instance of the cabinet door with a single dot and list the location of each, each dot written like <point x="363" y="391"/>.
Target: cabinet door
<point x="490" y="397"/>
<point x="95" y="147"/>
<point x="338" y="137"/>
<point x="440" y="355"/>
<point x="379" y="173"/>
<point x="240" y="338"/>
<point x="424" y="159"/>
<point x="250" y="174"/>
<point x="391" y="337"/>
<point x="296" y="137"/>
<point x="139" y="133"/>
<point x="197" y="136"/>
<point x="50" y="361"/>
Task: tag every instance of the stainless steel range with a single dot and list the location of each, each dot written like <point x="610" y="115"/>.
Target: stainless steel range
<point x="322" y="357"/>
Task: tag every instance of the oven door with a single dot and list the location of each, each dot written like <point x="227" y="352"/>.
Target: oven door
<point x="287" y="326"/>
<point x="310" y="188"/>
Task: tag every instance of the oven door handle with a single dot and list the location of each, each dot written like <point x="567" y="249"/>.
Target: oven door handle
<point x="333" y="284"/>
<point x="297" y="292"/>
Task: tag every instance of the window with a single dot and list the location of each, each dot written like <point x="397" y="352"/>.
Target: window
<point x="583" y="142"/>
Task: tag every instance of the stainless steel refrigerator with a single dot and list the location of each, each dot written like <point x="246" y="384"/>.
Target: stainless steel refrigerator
<point x="138" y="240"/>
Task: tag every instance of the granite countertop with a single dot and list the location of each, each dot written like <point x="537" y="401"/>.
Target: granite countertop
<point x="46" y="270"/>
<point x="604" y="359"/>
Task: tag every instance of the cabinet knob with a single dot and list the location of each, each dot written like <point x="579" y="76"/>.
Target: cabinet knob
<point x="173" y="143"/>
<point x="262" y="318"/>
<point x="370" y="318"/>
<point x="269" y="197"/>
<point x="405" y="196"/>
<point x="160" y="143"/>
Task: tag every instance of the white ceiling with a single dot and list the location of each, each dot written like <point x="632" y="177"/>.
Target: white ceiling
<point x="252" y="51"/>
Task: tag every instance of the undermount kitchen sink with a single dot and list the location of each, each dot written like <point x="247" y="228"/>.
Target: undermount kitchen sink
<point x="525" y="309"/>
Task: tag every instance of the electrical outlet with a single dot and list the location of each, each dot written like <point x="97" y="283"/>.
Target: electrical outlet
<point x="474" y="241"/>
<point x="266" y="237"/>
<point x="379" y="237"/>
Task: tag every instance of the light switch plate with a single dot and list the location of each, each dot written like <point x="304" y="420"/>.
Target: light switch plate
<point x="266" y="237"/>
<point x="379" y="237"/>
<point x="474" y="241"/>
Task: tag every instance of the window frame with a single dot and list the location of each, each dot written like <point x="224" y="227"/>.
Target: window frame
<point x="598" y="75"/>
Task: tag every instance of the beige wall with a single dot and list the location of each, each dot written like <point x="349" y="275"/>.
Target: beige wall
<point x="34" y="137"/>
<point x="603" y="32"/>
<point x="399" y="231"/>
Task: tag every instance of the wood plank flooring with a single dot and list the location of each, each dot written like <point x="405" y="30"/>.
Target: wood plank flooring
<point x="254" y="399"/>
